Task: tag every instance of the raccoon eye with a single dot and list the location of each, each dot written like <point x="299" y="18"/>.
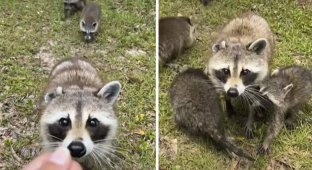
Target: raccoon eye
<point x="226" y="71"/>
<point x="93" y="122"/>
<point x="64" y="122"/>
<point x="83" y="23"/>
<point x="94" y="24"/>
<point x="245" y="72"/>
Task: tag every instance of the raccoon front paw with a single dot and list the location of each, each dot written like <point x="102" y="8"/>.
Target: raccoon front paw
<point x="290" y="125"/>
<point x="249" y="132"/>
<point x="262" y="150"/>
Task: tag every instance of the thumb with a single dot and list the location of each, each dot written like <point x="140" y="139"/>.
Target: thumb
<point x="59" y="160"/>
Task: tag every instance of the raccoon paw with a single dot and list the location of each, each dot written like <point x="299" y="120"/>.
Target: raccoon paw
<point x="262" y="150"/>
<point x="289" y="125"/>
<point x="249" y="132"/>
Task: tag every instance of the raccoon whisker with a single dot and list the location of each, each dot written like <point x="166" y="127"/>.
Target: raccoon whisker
<point x="115" y="149"/>
<point x="104" y="140"/>
<point x="103" y="157"/>
<point x="96" y="158"/>
<point x="54" y="137"/>
<point x="114" y="156"/>
<point x="112" y="147"/>
<point x="258" y="94"/>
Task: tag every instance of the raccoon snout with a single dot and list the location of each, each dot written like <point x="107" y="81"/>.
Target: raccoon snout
<point x="232" y="92"/>
<point x="77" y="149"/>
<point x="88" y="37"/>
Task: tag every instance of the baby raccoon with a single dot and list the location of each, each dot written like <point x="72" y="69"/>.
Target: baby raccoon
<point x="288" y="89"/>
<point x="240" y="61"/>
<point x="196" y="109"/>
<point x="175" y="35"/>
<point x="71" y="6"/>
<point x="77" y="112"/>
<point x="90" y="21"/>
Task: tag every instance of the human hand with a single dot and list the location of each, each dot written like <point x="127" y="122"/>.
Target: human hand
<point x="58" y="160"/>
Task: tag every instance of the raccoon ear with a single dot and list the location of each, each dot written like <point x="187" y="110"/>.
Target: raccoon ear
<point x="218" y="47"/>
<point x="49" y="96"/>
<point x="287" y="88"/>
<point x="110" y="92"/>
<point x="257" y="46"/>
<point x="275" y="72"/>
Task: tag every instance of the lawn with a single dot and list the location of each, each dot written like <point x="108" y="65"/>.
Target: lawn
<point x="33" y="37"/>
<point x="292" y="27"/>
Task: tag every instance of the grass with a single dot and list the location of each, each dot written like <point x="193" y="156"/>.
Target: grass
<point x="33" y="35"/>
<point x="292" y="27"/>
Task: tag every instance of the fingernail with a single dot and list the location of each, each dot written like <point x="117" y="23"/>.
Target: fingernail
<point x="61" y="156"/>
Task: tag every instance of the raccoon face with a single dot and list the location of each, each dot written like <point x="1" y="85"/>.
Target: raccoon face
<point x="235" y="67"/>
<point x="89" y="25"/>
<point x="81" y="121"/>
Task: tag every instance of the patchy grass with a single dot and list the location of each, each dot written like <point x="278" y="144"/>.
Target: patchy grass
<point x="291" y="24"/>
<point x="33" y="37"/>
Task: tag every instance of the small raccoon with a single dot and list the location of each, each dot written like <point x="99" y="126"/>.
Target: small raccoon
<point x="77" y="112"/>
<point x="175" y="35"/>
<point x="90" y="21"/>
<point x="240" y="60"/>
<point x="71" y="6"/>
<point x="288" y="89"/>
<point x="196" y="108"/>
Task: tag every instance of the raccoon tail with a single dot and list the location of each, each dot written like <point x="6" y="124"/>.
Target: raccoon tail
<point x="232" y="149"/>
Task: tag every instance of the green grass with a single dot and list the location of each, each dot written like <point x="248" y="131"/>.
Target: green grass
<point x="33" y="29"/>
<point x="291" y="24"/>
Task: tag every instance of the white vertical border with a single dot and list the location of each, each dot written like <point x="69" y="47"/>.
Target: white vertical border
<point x="157" y="87"/>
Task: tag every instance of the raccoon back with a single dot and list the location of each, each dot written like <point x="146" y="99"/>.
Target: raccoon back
<point x="301" y="78"/>
<point x="195" y="102"/>
<point x="174" y="36"/>
<point x="74" y="73"/>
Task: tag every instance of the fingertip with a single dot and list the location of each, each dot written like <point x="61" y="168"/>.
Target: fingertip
<point x="75" y="166"/>
<point x="37" y="162"/>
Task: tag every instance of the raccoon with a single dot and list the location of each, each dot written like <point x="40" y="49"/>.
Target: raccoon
<point x="77" y="112"/>
<point x="196" y="108"/>
<point x="90" y="21"/>
<point x="71" y="6"/>
<point x="288" y="89"/>
<point x="240" y="61"/>
<point x="175" y="35"/>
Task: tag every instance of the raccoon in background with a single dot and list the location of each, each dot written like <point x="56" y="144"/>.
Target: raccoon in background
<point x="288" y="88"/>
<point x="77" y="112"/>
<point x="71" y="6"/>
<point x="240" y="61"/>
<point x="175" y="35"/>
<point x="196" y="108"/>
<point x="90" y="21"/>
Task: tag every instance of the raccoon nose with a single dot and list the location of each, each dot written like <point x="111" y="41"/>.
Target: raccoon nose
<point x="232" y="92"/>
<point x="77" y="149"/>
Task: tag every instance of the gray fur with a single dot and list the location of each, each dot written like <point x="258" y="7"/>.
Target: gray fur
<point x="288" y="88"/>
<point x="72" y="6"/>
<point x="75" y="92"/>
<point x="175" y="35"/>
<point x="196" y="108"/>
<point x="90" y="21"/>
<point x="245" y="45"/>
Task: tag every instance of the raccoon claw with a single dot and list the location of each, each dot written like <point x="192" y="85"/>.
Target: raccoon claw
<point x="262" y="150"/>
<point x="249" y="133"/>
<point x="289" y="125"/>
